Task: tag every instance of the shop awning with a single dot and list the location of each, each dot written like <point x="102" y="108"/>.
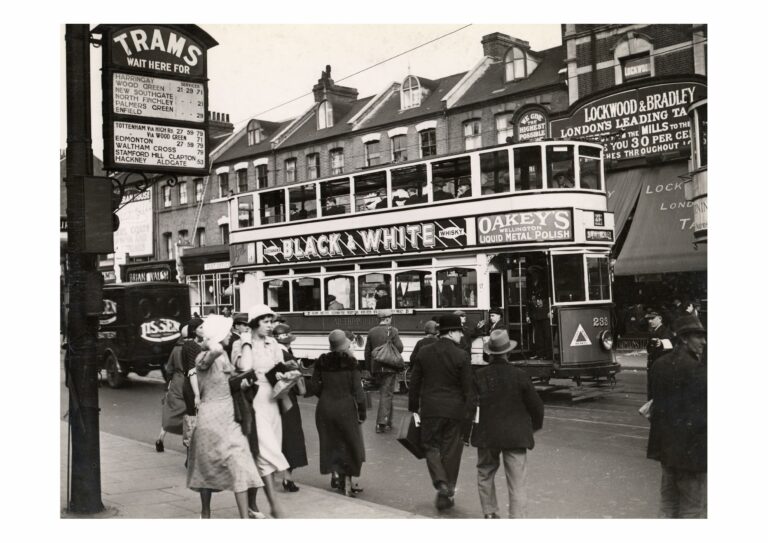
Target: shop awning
<point x="623" y="188"/>
<point x="660" y="238"/>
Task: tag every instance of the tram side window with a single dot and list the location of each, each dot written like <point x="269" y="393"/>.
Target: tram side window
<point x="413" y="289"/>
<point x="457" y="287"/>
<point x="277" y="294"/>
<point x="272" y="206"/>
<point x="302" y="202"/>
<point x="306" y="294"/>
<point x="528" y="168"/>
<point x="589" y="166"/>
<point x="598" y="278"/>
<point x="245" y="211"/>
<point x="375" y="291"/>
<point x="339" y="293"/>
<point x="569" y="278"/>
<point x="371" y="191"/>
<point x="409" y="185"/>
<point x="334" y="197"/>
<point x="494" y="172"/>
<point x="451" y="179"/>
<point x="560" y="167"/>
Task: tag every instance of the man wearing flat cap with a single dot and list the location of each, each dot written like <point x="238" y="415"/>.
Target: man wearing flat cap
<point x="379" y="335"/>
<point x="659" y="342"/>
<point x="678" y="436"/>
<point x="510" y="411"/>
<point x="440" y="389"/>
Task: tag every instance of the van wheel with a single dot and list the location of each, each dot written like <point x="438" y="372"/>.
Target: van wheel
<point x="115" y="378"/>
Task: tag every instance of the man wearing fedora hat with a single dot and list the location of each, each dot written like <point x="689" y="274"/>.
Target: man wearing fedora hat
<point x="510" y="411"/>
<point x="678" y="436"/>
<point x="377" y="336"/>
<point x="440" y="388"/>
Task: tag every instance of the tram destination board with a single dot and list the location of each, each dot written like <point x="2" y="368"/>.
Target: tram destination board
<point x="138" y="144"/>
<point x="144" y="96"/>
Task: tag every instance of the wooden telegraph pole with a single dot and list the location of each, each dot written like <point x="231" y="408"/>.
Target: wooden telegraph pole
<point x="84" y="284"/>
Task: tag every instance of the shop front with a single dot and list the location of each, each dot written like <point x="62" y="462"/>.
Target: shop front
<point x="207" y="272"/>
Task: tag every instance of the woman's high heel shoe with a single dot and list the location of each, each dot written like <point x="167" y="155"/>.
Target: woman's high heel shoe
<point x="290" y="486"/>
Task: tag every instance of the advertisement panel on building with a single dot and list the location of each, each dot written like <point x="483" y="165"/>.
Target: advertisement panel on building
<point x="531" y="125"/>
<point x="135" y="233"/>
<point x="643" y="121"/>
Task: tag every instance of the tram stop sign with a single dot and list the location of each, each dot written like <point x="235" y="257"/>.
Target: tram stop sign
<point x="155" y="106"/>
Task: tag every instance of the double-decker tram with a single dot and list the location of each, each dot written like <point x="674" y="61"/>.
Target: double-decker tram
<point x="521" y="227"/>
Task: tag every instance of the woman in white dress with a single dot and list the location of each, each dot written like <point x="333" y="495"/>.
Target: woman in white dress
<point x="260" y="352"/>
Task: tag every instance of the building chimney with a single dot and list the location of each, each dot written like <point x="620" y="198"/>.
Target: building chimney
<point x="219" y="125"/>
<point x="497" y="44"/>
<point x="326" y="89"/>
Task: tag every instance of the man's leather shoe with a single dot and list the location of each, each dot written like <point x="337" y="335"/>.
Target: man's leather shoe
<point x="159" y="447"/>
<point x="380" y="428"/>
<point x="491" y="515"/>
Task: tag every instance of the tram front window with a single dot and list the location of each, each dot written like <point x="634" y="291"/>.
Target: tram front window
<point x="589" y="166"/>
<point x="276" y="294"/>
<point x="457" y="287"/>
<point x="560" y="167"/>
<point x="569" y="278"/>
<point x="598" y="278"/>
<point x="306" y="294"/>
<point x="413" y="289"/>
<point x="528" y="168"/>
<point x="409" y="185"/>
<point x="339" y="293"/>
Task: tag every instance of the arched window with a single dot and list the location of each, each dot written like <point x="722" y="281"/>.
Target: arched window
<point x="634" y="58"/>
<point x="324" y="115"/>
<point x="514" y="64"/>
<point x="410" y="93"/>
<point x="254" y="133"/>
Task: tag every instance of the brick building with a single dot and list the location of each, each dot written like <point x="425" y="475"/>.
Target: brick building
<point x="629" y="86"/>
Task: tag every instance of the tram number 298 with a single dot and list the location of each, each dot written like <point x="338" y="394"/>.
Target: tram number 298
<point x="599" y="321"/>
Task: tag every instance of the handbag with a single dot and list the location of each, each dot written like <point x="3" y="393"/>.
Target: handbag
<point x="387" y="355"/>
<point x="409" y="436"/>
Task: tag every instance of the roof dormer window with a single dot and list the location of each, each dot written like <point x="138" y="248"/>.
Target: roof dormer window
<point x="518" y="64"/>
<point x="410" y="93"/>
<point x="324" y="115"/>
<point x="254" y="133"/>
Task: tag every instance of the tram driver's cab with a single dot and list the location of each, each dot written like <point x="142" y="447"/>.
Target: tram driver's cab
<point x="557" y="308"/>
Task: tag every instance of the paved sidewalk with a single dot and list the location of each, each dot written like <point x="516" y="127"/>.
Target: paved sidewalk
<point x="138" y="482"/>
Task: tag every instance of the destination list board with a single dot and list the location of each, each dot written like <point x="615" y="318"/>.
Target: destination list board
<point x="155" y="97"/>
<point x="154" y="145"/>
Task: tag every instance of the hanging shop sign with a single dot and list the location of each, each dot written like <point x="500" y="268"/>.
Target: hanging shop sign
<point x="155" y="86"/>
<point x="533" y="226"/>
<point x="383" y="240"/>
<point x="645" y="121"/>
<point x="531" y="125"/>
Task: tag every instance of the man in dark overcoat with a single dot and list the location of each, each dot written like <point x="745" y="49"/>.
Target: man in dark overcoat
<point x="387" y="377"/>
<point x="441" y="385"/>
<point x="678" y="436"/>
<point x="468" y="333"/>
<point x="657" y="346"/>
<point x="510" y="411"/>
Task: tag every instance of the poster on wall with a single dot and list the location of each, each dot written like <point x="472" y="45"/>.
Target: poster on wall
<point x="135" y="233"/>
<point x="645" y="121"/>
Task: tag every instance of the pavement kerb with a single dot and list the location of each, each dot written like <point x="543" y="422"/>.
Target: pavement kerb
<point x="162" y="492"/>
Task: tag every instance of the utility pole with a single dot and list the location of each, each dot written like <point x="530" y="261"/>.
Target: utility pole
<point x="84" y="284"/>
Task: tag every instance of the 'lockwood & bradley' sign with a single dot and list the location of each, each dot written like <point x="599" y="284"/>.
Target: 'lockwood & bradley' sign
<point x="401" y="238"/>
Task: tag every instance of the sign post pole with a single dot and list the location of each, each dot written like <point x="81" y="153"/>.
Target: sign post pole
<point x="80" y="360"/>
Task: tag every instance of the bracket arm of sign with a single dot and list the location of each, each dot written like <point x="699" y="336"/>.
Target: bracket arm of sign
<point x="139" y="187"/>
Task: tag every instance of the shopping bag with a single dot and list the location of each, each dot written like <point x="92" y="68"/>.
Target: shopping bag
<point x="409" y="436"/>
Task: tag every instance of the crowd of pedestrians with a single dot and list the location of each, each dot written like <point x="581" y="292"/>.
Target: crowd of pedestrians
<point x="235" y="384"/>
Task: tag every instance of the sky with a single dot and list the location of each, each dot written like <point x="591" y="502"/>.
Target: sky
<point x="257" y="67"/>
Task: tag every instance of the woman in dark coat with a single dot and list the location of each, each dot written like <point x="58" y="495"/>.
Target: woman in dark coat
<point x="340" y="411"/>
<point x="294" y="447"/>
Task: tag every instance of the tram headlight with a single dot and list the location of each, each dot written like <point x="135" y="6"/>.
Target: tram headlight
<point x="606" y="340"/>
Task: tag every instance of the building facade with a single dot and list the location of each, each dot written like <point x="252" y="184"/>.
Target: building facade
<point x="630" y="87"/>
